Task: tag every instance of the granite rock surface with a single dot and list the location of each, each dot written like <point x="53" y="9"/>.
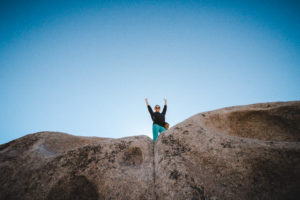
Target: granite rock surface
<point x="51" y="165"/>
<point x="239" y="152"/>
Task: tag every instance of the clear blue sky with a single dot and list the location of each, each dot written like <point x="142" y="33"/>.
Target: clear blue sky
<point x="85" y="67"/>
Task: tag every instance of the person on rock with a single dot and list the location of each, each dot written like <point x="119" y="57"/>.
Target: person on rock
<point x="157" y="118"/>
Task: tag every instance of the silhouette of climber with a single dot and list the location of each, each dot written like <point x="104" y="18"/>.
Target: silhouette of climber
<point x="157" y="118"/>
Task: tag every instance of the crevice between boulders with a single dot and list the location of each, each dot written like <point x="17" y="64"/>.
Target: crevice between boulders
<point x="154" y="173"/>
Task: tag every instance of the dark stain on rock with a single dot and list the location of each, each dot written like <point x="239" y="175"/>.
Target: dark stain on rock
<point x="81" y="158"/>
<point x="176" y="147"/>
<point x="73" y="188"/>
<point x="185" y="132"/>
<point x="200" y="130"/>
<point x="133" y="156"/>
<point x="226" y="145"/>
<point x="177" y="128"/>
<point x="122" y="145"/>
<point x="198" y="193"/>
<point x="174" y="174"/>
<point x="119" y="147"/>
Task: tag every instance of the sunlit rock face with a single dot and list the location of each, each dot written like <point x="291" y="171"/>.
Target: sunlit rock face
<point x="241" y="152"/>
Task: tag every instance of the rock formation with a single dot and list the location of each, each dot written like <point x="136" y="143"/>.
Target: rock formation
<point x="241" y="152"/>
<point x="58" y="166"/>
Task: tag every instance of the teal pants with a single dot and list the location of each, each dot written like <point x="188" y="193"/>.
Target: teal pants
<point x="157" y="128"/>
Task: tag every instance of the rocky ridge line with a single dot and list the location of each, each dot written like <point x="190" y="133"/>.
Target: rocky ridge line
<point x="239" y="152"/>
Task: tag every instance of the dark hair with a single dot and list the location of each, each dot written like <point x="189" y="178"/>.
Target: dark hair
<point x="157" y="105"/>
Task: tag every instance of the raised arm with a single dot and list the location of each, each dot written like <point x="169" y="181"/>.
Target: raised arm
<point x="165" y="107"/>
<point x="149" y="107"/>
<point x="146" y="100"/>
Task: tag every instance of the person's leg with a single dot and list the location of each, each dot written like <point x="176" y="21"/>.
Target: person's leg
<point x="161" y="129"/>
<point x="155" y="129"/>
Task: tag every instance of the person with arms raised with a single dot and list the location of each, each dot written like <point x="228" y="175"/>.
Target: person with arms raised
<point x="157" y="118"/>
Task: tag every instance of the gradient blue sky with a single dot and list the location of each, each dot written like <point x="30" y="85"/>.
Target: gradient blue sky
<point x="85" y="67"/>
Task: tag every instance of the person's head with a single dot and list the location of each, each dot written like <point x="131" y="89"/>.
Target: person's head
<point x="157" y="108"/>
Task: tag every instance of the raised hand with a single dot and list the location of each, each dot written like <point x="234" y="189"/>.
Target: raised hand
<point x="165" y="101"/>
<point x="146" y="100"/>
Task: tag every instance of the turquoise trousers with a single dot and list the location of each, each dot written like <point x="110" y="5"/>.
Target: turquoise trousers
<point x="157" y="128"/>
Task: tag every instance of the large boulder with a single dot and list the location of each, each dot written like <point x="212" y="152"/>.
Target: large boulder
<point x="58" y="166"/>
<point x="241" y="152"/>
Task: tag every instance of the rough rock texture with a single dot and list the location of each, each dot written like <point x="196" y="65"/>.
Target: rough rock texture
<point x="49" y="165"/>
<point x="241" y="152"/>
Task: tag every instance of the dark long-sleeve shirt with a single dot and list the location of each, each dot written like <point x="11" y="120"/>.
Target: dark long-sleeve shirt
<point x="157" y="117"/>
